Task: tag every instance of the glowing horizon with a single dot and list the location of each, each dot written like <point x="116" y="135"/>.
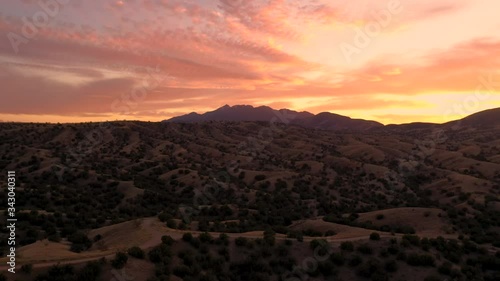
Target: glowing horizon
<point x="394" y="61"/>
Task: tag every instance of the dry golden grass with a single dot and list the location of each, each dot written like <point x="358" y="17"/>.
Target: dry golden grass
<point x="316" y="166"/>
<point x="122" y="236"/>
<point x="129" y="190"/>
<point x="342" y="231"/>
<point x="145" y="233"/>
<point x="378" y="171"/>
<point x="495" y="159"/>
<point x="65" y="136"/>
<point x="362" y="151"/>
<point x="135" y="269"/>
<point x="46" y="250"/>
<point x="470" y="150"/>
<point x="133" y="141"/>
<point x="271" y="176"/>
<point x="456" y="161"/>
<point x="48" y="253"/>
<point x="469" y="183"/>
<point x="426" y="221"/>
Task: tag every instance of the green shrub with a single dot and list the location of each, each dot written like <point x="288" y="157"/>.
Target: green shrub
<point x="205" y="237"/>
<point x="223" y="239"/>
<point x="315" y="243"/>
<point x="260" y="177"/>
<point x="187" y="237"/>
<point x="330" y="233"/>
<point x="338" y="259"/>
<point x="27" y="268"/>
<point x="355" y="261"/>
<point x="167" y="240"/>
<point x="393" y="249"/>
<point x="347" y="246"/>
<point x="136" y="252"/>
<point x="241" y="241"/>
<point x="374" y="236"/>
<point x="119" y="261"/>
<point x="370" y="268"/>
<point x="420" y="260"/>
<point x="326" y="268"/>
<point x="412" y="239"/>
<point x="80" y="242"/>
<point x="171" y="223"/>
<point x="160" y="254"/>
<point x="365" y="249"/>
<point x="391" y="266"/>
<point x="269" y="237"/>
<point x="181" y="271"/>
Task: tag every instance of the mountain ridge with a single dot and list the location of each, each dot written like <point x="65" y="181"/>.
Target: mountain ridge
<point x="327" y="120"/>
<point x="238" y="113"/>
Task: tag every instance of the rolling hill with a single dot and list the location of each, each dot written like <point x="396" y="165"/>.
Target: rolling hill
<point x="330" y="121"/>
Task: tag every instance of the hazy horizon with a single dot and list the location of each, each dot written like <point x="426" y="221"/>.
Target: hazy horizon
<point x="138" y="120"/>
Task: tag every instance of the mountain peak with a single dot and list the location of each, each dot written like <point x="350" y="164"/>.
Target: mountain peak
<point x="239" y="113"/>
<point x="324" y="120"/>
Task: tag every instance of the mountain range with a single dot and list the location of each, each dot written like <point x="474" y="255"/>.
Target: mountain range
<point x="326" y="120"/>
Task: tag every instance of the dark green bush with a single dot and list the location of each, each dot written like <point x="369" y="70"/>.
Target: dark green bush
<point x="167" y="240"/>
<point x="347" y="246"/>
<point x="136" y="252"/>
<point x="241" y="241"/>
<point x="355" y="261"/>
<point x="391" y="266"/>
<point x="365" y="249"/>
<point x="420" y="260"/>
<point x="119" y="261"/>
<point x="374" y="236"/>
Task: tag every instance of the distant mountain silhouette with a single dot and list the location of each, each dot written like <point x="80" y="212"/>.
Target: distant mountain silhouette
<point x="415" y="126"/>
<point x="486" y="118"/>
<point x="330" y="121"/>
<point x="241" y="113"/>
<point x="324" y="120"/>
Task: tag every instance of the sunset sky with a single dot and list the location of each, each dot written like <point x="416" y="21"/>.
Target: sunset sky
<point x="391" y="61"/>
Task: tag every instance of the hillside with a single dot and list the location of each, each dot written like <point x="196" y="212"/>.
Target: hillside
<point x="487" y="118"/>
<point x="83" y="187"/>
